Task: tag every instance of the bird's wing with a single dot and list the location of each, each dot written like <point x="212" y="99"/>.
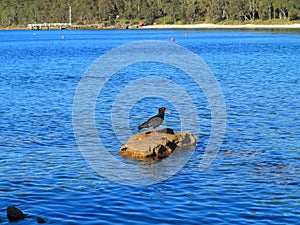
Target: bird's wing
<point x="154" y="122"/>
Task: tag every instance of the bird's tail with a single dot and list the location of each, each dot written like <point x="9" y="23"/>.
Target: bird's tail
<point x="142" y="126"/>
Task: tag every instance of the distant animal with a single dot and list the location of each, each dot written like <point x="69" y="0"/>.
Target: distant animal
<point x="156" y="120"/>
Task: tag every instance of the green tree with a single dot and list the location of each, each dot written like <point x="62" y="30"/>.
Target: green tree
<point x="266" y="9"/>
<point x="21" y="12"/>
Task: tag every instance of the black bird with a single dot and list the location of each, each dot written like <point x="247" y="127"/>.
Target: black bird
<point x="156" y="120"/>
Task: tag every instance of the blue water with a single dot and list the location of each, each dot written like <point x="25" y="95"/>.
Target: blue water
<point x="253" y="180"/>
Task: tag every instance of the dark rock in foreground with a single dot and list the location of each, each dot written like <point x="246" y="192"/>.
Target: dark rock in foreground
<point x="156" y="145"/>
<point x="14" y="214"/>
<point x="41" y="220"/>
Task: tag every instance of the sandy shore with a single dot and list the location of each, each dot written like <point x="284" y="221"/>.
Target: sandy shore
<point x="187" y="26"/>
<point x="217" y="26"/>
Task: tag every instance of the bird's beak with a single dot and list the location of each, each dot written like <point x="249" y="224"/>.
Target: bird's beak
<point x="166" y="111"/>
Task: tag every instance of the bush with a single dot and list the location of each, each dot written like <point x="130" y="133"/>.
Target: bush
<point x="294" y="14"/>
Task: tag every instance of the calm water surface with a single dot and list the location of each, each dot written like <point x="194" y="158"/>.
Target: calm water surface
<point x="254" y="179"/>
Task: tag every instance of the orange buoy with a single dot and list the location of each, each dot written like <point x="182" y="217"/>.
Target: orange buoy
<point x="172" y="39"/>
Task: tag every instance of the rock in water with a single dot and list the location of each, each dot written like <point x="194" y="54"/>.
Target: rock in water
<point x="14" y="214"/>
<point x="41" y="220"/>
<point x="156" y="145"/>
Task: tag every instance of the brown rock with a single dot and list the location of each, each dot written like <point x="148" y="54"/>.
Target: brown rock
<point x="185" y="140"/>
<point x="156" y="145"/>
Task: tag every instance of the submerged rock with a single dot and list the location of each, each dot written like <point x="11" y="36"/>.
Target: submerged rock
<point x="14" y="214"/>
<point x="156" y="145"/>
<point x="41" y="220"/>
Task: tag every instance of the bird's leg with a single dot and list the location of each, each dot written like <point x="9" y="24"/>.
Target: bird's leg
<point x="154" y="131"/>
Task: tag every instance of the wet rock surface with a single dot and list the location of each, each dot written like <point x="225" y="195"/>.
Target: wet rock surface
<point x="14" y="215"/>
<point x="41" y="220"/>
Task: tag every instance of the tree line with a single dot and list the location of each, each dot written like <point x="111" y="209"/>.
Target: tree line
<point x="22" y="12"/>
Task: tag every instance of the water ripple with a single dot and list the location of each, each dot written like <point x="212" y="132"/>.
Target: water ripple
<point x="253" y="180"/>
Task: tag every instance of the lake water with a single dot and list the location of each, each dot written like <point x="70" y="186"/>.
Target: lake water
<point x="254" y="179"/>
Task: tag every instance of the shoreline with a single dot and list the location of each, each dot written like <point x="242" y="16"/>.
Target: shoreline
<point x="223" y="26"/>
<point x="174" y="26"/>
